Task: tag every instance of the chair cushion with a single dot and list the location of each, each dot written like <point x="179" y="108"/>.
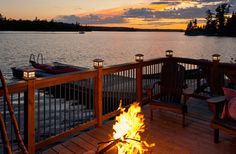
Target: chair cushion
<point x="229" y="110"/>
<point x="232" y="108"/>
<point x="229" y="93"/>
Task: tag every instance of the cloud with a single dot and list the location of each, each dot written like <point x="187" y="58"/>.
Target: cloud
<point x="140" y="13"/>
<point x="90" y="19"/>
<point x="165" y="2"/>
<point x="170" y="9"/>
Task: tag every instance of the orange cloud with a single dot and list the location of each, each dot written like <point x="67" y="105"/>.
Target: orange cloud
<point x="118" y="11"/>
<point x="156" y="7"/>
<point x="111" y="12"/>
<point x="148" y="16"/>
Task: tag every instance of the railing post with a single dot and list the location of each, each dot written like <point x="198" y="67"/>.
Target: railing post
<point x="98" y="64"/>
<point x="216" y="77"/>
<point x="139" y="78"/>
<point x="29" y="115"/>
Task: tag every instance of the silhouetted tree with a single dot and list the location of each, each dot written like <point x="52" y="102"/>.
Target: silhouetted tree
<point x="231" y="25"/>
<point x="210" y="22"/>
<point x="221" y="12"/>
<point x="1" y="17"/>
<point x="37" y="25"/>
<point x="193" y="28"/>
<point x="219" y="23"/>
<point x="195" y="24"/>
<point x="190" y="26"/>
<point x="209" y="17"/>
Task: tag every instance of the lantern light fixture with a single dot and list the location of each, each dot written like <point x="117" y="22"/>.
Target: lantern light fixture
<point x="216" y="57"/>
<point x="139" y="57"/>
<point x="28" y="73"/>
<point x="169" y="53"/>
<point x="98" y="63"/>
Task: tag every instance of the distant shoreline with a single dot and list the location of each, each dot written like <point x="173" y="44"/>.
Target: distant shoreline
<point x="53" y="26"/>
<point x="102" y="29"/>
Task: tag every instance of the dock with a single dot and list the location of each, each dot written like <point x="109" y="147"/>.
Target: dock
<point x="165" y="131"/>
<point x="72" y="112"/>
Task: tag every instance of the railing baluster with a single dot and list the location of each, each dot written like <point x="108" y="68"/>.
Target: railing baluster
<point x="55" y="110"/>
<point x="19" y="111"/>
<point x="50" y="112"/>
<point x="12" y="132"/>
<point x="64" y="90"/>
<point x="60" y="110"/>
<point x="38" y="118"/>
<point x="44" y="112"/>
<point x="73" y="103"/>
<point x="78" y="102"/>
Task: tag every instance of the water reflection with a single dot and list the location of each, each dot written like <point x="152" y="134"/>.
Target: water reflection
<point x="113" y="47"/>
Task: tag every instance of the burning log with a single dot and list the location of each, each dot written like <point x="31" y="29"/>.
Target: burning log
<point x="126" y="135"/>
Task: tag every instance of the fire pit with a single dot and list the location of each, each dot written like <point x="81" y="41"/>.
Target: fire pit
<point x="126" y="136"/>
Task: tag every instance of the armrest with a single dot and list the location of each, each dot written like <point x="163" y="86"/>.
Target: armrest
<point x="152" y="86"/>
<point x="187" y="92"/>
<point x="215" y="103"/>
<point x="216" y="100"/>
<point x="149" y="89"/>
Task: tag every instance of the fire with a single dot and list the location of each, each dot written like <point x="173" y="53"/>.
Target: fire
<point x="127" y="130"/>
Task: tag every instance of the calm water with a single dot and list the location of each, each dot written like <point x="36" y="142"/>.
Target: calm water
<point x="113" y="47"/>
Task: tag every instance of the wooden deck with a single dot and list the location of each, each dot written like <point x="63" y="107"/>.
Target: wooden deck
<point x="165" y="131"/>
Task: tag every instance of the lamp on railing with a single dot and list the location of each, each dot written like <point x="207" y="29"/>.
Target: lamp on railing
<point x="28" y="73"/>
<point x="169" y="53"/>
<point x="215" y="57"/>
<point x="98" y="63"/>
<point x="139" y="57"/>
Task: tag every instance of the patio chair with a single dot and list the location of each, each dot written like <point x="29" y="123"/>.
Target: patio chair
<point x="171" y="90"/>
<point x="3" y="129"/>
<point x="227" y="124"/>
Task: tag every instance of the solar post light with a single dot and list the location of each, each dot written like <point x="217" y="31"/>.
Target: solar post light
<point x="98" y="63"/>
<point x="169" y="53"/>
<point x="28" y="73"/>
<point x="139" y="57"/>
<point x="216" y="57"/>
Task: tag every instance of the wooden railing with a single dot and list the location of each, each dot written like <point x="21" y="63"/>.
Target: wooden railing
<point x="50" y="109"/>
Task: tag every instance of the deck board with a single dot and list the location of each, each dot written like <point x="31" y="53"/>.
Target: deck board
<point x="74" y="147"/>
<point x="166" y="131"/>
<point x="85" y="144"/>
<point x="60" y="149"/>
<point x="89" y="139"/>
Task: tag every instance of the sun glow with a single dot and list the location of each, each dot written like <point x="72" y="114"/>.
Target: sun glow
<point x="127" y="129"/>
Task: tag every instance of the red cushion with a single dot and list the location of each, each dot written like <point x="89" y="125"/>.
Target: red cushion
<point x="229" y="111"/>
<point x="229" y="93"/>
<point x="232" y="108"/>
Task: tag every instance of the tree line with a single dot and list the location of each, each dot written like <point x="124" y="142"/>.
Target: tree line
<point x="218" y="23"/>
<point x="44" y="25"/>
<point x="38" y="25"/>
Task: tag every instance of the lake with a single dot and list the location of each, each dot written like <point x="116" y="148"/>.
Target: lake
<point x="113" y="47"/>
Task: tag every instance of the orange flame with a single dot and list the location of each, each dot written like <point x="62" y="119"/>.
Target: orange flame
<point x="127" y="129"/>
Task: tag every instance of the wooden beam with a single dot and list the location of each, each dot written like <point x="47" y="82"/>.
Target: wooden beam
<point x="29" y="111"/>
<point x="98" y="96"/>
<point x="139" y="85"/>
<point x="65" y="134"/>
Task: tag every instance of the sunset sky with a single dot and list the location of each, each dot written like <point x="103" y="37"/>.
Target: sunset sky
<point x="172" y="14"/>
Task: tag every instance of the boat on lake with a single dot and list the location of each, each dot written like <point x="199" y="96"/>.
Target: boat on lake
<point x="81" y="32"/>
<point x="45" y="70"/>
